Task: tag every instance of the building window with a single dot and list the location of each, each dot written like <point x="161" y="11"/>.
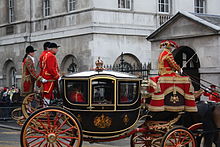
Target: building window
<point x="164" y="6"/>
<point x="46" y="7"/>
<point x="71" y="5"/>
<point x="11" y="6"/>
<point x="13" y="81"/>
<point x="125" y="4"/>
<point x="199" y="6"/>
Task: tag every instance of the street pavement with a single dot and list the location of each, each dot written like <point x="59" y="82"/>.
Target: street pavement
<point x="10" y="137"/>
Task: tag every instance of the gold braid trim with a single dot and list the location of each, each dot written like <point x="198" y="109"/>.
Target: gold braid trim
<point x="189" y="96"/>
<point x="180" y="80"/>
<point x="174" y="108"/>
<point x="191" y="109"/>
<point x="153" y="84"/>
<point x="156" y="108"/>
<point x="167" y="91"/>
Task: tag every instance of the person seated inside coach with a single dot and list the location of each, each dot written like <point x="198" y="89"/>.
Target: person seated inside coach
<point x="124" y="98"/>
<point x="76" y="96"/>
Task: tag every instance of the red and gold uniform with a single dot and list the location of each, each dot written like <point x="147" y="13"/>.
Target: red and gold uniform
<point x="29" y="76"/>
<point x="41" y="60"/>
<point x="166" y="63"/>
<point x="170" y="91"/>
<point x="50" y="72"/>
<point x="41" y="65"/>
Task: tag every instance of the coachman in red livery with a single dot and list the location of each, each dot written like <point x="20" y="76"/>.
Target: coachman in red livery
<point x="169" y="90"/>
<point x="50" y="71"/>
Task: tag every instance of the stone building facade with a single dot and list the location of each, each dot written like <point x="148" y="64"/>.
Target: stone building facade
<point x="85" y="30"/>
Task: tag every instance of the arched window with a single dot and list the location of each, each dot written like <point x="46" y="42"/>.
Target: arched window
<point x="13" y="80"/>
<point x="69" y="64"/>
<point x="9" y="74"/>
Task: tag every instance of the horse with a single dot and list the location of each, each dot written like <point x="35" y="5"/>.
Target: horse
<point x="208" y="114"/>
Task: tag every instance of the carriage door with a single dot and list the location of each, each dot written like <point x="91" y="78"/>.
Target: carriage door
<point x="188" y="59"/>
<point x="102" y="94"/>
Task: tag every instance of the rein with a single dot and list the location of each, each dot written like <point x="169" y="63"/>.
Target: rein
<point x="193" y="78"/>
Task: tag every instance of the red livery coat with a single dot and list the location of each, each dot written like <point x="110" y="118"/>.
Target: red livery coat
<point x="50" y="72"/>
<point x="29" y="76"/>
<point x="40" y="64"/>
<point x="167" y="64"/>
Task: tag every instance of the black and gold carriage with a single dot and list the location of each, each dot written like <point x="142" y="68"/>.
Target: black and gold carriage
<point x="97" y="106"/>
<point x="110" y="105"/>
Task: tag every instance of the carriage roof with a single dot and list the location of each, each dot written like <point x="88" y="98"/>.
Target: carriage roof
<point x="87" y="74"/>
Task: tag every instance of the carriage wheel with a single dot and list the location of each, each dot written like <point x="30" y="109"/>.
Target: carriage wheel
<point x="51" y="127"/>
<point x="16" y="114"/>
<point x="178" y="137"/>
<point x="31" y="103"/>
<point x="138" y="139"/>
<point x="146" y="139"/>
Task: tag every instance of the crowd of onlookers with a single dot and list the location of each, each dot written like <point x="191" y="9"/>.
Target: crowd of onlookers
<point x="9" y="99"/>
<point x="9" y="96"/>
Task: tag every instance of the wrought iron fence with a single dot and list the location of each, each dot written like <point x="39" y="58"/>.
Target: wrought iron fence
<point x="141" y="70"/>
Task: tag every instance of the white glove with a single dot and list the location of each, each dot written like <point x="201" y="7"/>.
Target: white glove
<point x="59" y="79"/>
<point x="43" y="80"/>
<point x="181" y="71"/>
<point x="208" y="90"/>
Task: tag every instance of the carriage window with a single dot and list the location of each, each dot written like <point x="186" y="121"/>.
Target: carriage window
<point x="77" y="91"/>
<point x="103" y="91"/>
<point x="128" y="92"/>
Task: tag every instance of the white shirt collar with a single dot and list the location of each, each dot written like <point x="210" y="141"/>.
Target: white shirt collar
<point x="32" y="58"/>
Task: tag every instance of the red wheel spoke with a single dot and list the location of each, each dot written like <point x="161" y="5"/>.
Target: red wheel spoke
<point x="66" y="139"/>
<point x="63" y="137"/>
<point x="34" y="139"/>
<point x="63" y="143"/>
<point x="73" y="127"/>
<point x="59" y="145"/>
<point x="48" y="120"/>
<point x="38" y="130"/>
<point x="40" y="121"/>
<point x="62" y="124"/>
<point x="37" y="143"/>
<point x="37" y="137"/>
<point x="55" y="121"/>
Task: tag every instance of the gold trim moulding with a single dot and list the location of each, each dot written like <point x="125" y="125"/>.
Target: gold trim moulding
<point x="88" y="110"/>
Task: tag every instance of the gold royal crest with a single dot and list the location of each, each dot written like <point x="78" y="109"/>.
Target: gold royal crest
<point x="102" y="121"/>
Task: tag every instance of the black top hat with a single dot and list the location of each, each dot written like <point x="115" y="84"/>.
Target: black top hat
<point x="30" y="49"/>
<point x="53" y="45"/>
<point x="46" y="45"/>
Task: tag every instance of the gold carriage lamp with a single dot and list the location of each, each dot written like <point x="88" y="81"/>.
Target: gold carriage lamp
<point x="99" y="65"/>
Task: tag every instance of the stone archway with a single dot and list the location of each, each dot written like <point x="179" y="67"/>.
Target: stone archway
<point x="187" y="58"/>
<point x="69" y="64"/>
<point x="9" y="74"/>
